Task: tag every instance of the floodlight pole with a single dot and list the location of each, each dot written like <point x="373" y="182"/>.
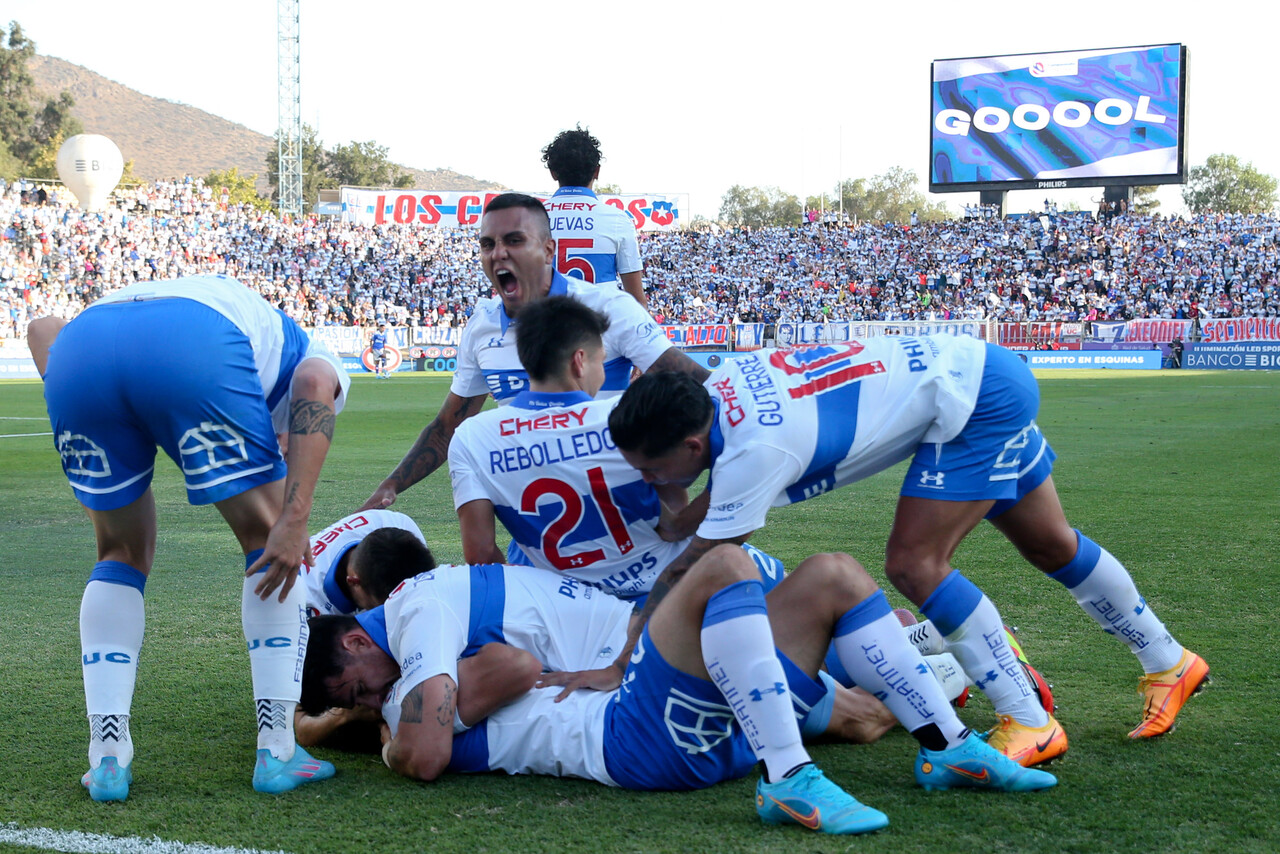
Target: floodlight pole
<point x="289" y="93"/>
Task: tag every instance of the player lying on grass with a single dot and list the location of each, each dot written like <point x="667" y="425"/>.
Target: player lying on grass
<point x="234" y="374"/>
<point x="518" y="255"/>
<point x="336" y="585"/>
<point x="712" y="686"/>
<point x="778" y="426"/>
<point x="546" y="466"/>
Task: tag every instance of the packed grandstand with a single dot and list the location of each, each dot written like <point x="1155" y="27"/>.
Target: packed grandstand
<point x="1057" y="267"/>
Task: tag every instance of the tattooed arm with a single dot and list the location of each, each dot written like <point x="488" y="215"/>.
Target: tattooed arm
<point x="429" y="452"/>
<point x="311" y="421"/>
<point x="423" y="743"/>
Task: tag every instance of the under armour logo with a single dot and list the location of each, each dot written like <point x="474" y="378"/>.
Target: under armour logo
<point x="757" y="694"/>
<point x="494" y="343"/>
<point x="990" y="677"/>
<point x="933" y="481"/>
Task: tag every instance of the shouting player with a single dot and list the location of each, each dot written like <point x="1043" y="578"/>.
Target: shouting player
<point x="518" y="256"/>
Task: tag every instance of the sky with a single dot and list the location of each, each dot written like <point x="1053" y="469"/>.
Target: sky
<point x="685" y="97"/>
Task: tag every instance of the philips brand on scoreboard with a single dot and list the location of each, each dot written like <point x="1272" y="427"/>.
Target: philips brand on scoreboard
<point x="1081" y="118"/>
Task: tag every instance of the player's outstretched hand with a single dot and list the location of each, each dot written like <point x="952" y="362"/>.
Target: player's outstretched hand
<point x="604" y="679"/>
<point x="382" y="498"/>
<point x="288" y="548"/>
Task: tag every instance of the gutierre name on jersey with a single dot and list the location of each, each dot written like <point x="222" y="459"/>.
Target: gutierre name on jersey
<point x="552" y="450"/>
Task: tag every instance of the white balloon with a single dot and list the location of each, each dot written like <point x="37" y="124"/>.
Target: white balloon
<point x="90" y="165"/>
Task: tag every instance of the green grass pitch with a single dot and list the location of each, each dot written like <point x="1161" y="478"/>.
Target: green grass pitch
<point x="1175" y="473"/>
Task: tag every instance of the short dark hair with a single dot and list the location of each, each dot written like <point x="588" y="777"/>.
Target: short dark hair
<point x="552" y="329"/>
<point x="520" y="200"/>
<point x="659" y="411"/>
<point x="573" y="157"/>
<point x="388" y="556"/>
<point x="325" y="659"/>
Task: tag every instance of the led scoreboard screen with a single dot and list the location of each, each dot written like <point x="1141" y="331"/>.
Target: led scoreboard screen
<point x="1082" y="118"/>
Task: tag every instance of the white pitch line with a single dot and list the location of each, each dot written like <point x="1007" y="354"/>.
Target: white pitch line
<point x="21" y="418"/>
<point x="75" y="842"/>
<point x="20" y="435"/>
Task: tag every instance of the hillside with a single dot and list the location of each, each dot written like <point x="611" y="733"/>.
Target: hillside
<point x="165" y="139"/>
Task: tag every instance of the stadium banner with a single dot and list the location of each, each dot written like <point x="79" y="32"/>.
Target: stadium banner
<point x="1131" y="360"/>
<point x="1106" y="331"/>
<point x="699" y="335"/>
<point x="441" y="336"/>
<point x="748" y="336"/>
<point x="833" y="332"/>
<point x="1156" y="331"/>
<point x="454" y="208"/>
<point x="1226" y="329"/>
<point x="18" y="369"/>
<point x="1082" y="118"/>
<point x="1029" y="334"/>
<point x="1234" y="356"/>
<point x="1117" y="345"/>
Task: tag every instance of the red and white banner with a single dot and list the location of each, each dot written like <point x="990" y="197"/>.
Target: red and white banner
<point x="1239" y="329"/>
<point x="699" y="335"/>
<point x="1156" y="331"/>
<point x="453" y="208"/>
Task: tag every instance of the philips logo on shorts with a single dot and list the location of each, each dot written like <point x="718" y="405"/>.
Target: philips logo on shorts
<point x="932" y="480"/>
<point x="81" y="456"/>
<point x="211" y="446"/>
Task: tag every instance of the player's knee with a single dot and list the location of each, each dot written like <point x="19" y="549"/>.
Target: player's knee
<point x="837" y="577"/>
<point x="724" y="565"/>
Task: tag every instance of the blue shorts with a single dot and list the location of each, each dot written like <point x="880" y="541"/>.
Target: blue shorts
<point x="125" y="377"/>
<point x="667" y="730"/>
<point x="1000" y="454"/>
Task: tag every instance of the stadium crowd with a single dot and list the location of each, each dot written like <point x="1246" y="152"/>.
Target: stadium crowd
<point x="55" y="260"/>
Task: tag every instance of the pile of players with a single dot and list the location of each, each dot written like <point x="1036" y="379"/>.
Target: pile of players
<point x="628" y="634"/>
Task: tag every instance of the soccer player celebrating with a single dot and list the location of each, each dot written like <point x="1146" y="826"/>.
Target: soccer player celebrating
<point x="779" y="426"/>
<point x="518" y="254"/>
<point x="707" y="693"/>
<point x="234" y="374"/>
<point x="594" y="241"/>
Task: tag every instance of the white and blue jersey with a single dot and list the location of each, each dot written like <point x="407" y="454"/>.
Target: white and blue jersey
<point x="331" y="545"/>
<point x="561" y="488"/>
<point x="201" y="366"/>
<point x="595" y="241"/>
<point x="487" y="358"/>
<point x="378" y="342"/>
<point x="661" y="729"/>
<point x="792" y="424"/>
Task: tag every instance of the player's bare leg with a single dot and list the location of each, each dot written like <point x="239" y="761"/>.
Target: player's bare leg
<point x="925" y="535"/>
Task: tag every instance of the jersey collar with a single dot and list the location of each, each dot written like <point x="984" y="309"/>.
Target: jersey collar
<point x="331" y="588"/>
<point x="575" y="191"/>
<point x="548" y="399"/>
<point x="374" y="621"/>
<point x="559" y="287"/>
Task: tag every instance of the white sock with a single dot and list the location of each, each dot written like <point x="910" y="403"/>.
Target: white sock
<point x="881" y="660"/>
<point x="1103" y="588"/>
<point x="975" y="636"/>
<point x="112" y="619"/>
<point x="276" y="634"/>
<point x="737" y="647"/>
